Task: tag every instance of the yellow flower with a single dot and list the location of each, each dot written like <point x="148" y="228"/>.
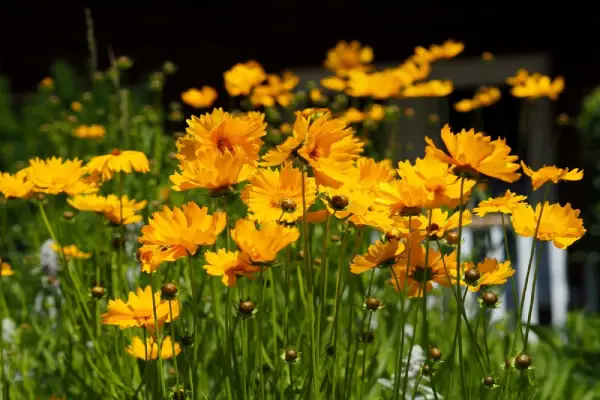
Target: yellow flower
<point x="485" y="96"/>
<point x="278" y="89"/>
<point x="327" y="144"/>
<point x="220" y="132"/>
<point x="76" y="106"/>
<point x="345" y="57"/>
<point x="487" y="56"/>
<point x="139" y="310"/>
<point x="435" y="52"/>
<point x="413" y="277"/>
<point x="6" y="269"/>
<point x="442" y="188"/>
<point x="369" y="173"/>
<point x="118" y="161"/>
<point x="433" y="88"/>
<point x="47" y="83"/>
<point x="241" y="78"/>
<point x="286" y="128"/>
<point x="504" y="204"/>
<point x="411" y="71"/>
<point x="229" y="265"/>
<point x="379" y="85"/>
<point x="317" y="96"/>
<point x="537" y="85"/>
<point x="380" y="254"/>
<point x="53" y="176"/>
<point x="442" y="222"/>
<point x="70" y="252"/>
<point x="172" y="234"/>
<point x="473" y="153"/>
<point x="17" y="186"/>
<point x="519" y="79"/>
<point x="376" y="112"/>
<point x="138" y="349"/>
<point x="334" y="83"/>
<point x="551" y="174"/>
<point x="214" y="171"/>
<point x="199" y="98"/>
<point x="262" y="245"/>
<point x="401" y="197"/>
<point x="491" y="273"/>
<point x="559" y="224"/>
<point x="352" y="116"/>
<point x="117" y="210"/>
<point x="89" y="132"/>
<point x="277" y="195"/>
<point x="359" y="205"/>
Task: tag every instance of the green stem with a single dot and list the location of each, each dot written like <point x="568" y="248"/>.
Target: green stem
<point x="485" y="338"/>
<point x="410" y="348"/>
<point x="173" y="344"/>
<point x="157" y="334"/>
<point x="5" y="388"/>
<point x="460" y="304"/>
<point x="364" y="362"/>
<point x="324" y="273"/>
<point x="314" y="352"/>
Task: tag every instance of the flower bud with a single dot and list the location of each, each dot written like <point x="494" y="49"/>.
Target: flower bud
<point x="372" y="303"/>
<point x="367" y="337"/>
<point x="168" y="291"/>
<point x="290" y="355"/>
<point x="339" y="202"/>
<point x="68" y="215"/>
<point x="489" y="381"/>
<point x="246" y="308"/>
<point x="522" y="362"/>
<point x="98" y="292"/>
<point x="489" y="298"/>
<point x="472" y="276"/>
<point x="124" y="63"/>
<point x="435" y="354"/>
<point x="452" y="237"/>
<point x="288" y="205"/>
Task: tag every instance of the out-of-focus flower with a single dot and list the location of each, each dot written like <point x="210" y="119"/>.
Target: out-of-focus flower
<point x="230" y="265"/>
<point x="89" y="132"/>
<point x="149" y="351"/>
<point x="535" y="85"/>
<point x="277" y="89"/>
<point x="345" y="57"/>
<point x="17" y="186"/>
<point x="242" y="78"/>
<point x="485" y="96"/>
<point x="503" y="204"/>
<point x="447" y="50"/>
<point x="199" y="98"/>
<point x="47" y="83"/>
<point x="53" y="176"/>
<point x="118" y="210"/>
<point x="433" y="88"/>
<point x="262" y="244"/>
<point x="125" y="161"/>
<point x="5" y="268"/>
<point x="334" y="83"/>
<point x="551" y="174"/>
<point x="70" y="252"/>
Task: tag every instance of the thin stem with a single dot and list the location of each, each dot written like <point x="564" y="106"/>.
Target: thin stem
<point x="157" y="334"/>
<point x="324" y="272"/>
<point x="485" y="338"/>
<point x="364" y="361"/>
<point x="412" y="343"/>
<point x="314" y="352"/>
<point x="507" y="252"/>
<point x="173" y="344"/>
<point x="5" y="388"/>
<point x="460" y="304"/>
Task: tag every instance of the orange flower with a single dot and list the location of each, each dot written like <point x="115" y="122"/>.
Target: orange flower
<point x="433" y="88"/>
<point x="472" y="153"/>
<point x="117" y="210"/>
<point x="345" y="57"/>
<point x="278" y="89"/>
<point x="447" y="50"/>
<point x="538" y="85"/>
<point x="262" y="244"/>
<point x="241" y="78"/>
<point x="53" y="176"/>
<point x="172" y="234"/>
<point x="199" y="98"/>
<point x="334" y="83"/>
<point x="125" y="161"/>
<point x="150" y="350"/>
<point x="401" y="197"/>
<point x="379" y="255"/>
<point x="229" y="265"/>
<point x="16" y="186"/>
<point x="551" y="174"/>
<point x="485" y="96"/>
<point x="504" y="204"/>
<point x="89" y="132"/>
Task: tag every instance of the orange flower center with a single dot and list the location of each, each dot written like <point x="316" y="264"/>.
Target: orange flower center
<point x="115" y="152"/>
<point x="316" y="152"/>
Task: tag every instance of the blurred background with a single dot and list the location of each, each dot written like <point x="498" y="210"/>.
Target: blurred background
<point x="205" y="39"/>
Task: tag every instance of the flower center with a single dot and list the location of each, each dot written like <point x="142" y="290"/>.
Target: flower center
<point x="115" y="152"/>
<point x="421" y="274"/>
<point x="316" y="152"/>
<point x="433" y="228"/>
<point x="224" y="145"/>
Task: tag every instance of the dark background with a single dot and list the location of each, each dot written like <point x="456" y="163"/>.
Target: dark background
<point x="205" y="38"/>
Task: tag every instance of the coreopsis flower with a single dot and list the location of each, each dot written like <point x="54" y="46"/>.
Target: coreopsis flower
<point x="355" y="203"/>
<point x="334" y="83"/>
<point x="369" y="173"/>
<point x="433" y="88"/>
<point x="346" y="57"/>
<point x="242" y="78"/>
<point x="447" y="50"/>
<point x="138" y="349"/>
<point x="519" y="78"/>
<point x="199" y="98"/>
<point x="317" y="217"/>
<point x="413" y="277"/>
<point x="442" y="188"/>
<point x="230" y="265"/>
<point x="473" y="153"/>
<point x="214" y="171"/>
<point x="172" y="234"/>
<point x="276" y="195"/>
<point x="379" y="85"/>
<point x="487" y="56"/>
<point x="379" y="255"/>
<point x="125" y="161"/>
<point x="485" y="96"/>
<point x="551" y="174"/>
<point x="139" y="310"/>
<point x="327" y="144"/>
<point x="53" y="176"/>
<point x="503" y="204"/>
<point x="317" y="96"/>
<point x="278" y="89"/>
<point x="89" y="132"/>
<point x="262" y="244"/>
<point x="71" y="251"/>
<point x="491" y="271"/>
<point x="47" y="83"/>
<point x="537" y="85"/>
<point x="352" y="116"/>
<point x="376" y="112"/>
<point x="559" y="224"/>
<point x="401" y="197"/>
<point x="222" y="132"/>
<point x="411" y="71"/>
<point x="118" y="210"/>
<point x="5" y="269"/>
<point x="442" y="222"/>
<point x="17" y="186"/>
<point x="76" y="106"/>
